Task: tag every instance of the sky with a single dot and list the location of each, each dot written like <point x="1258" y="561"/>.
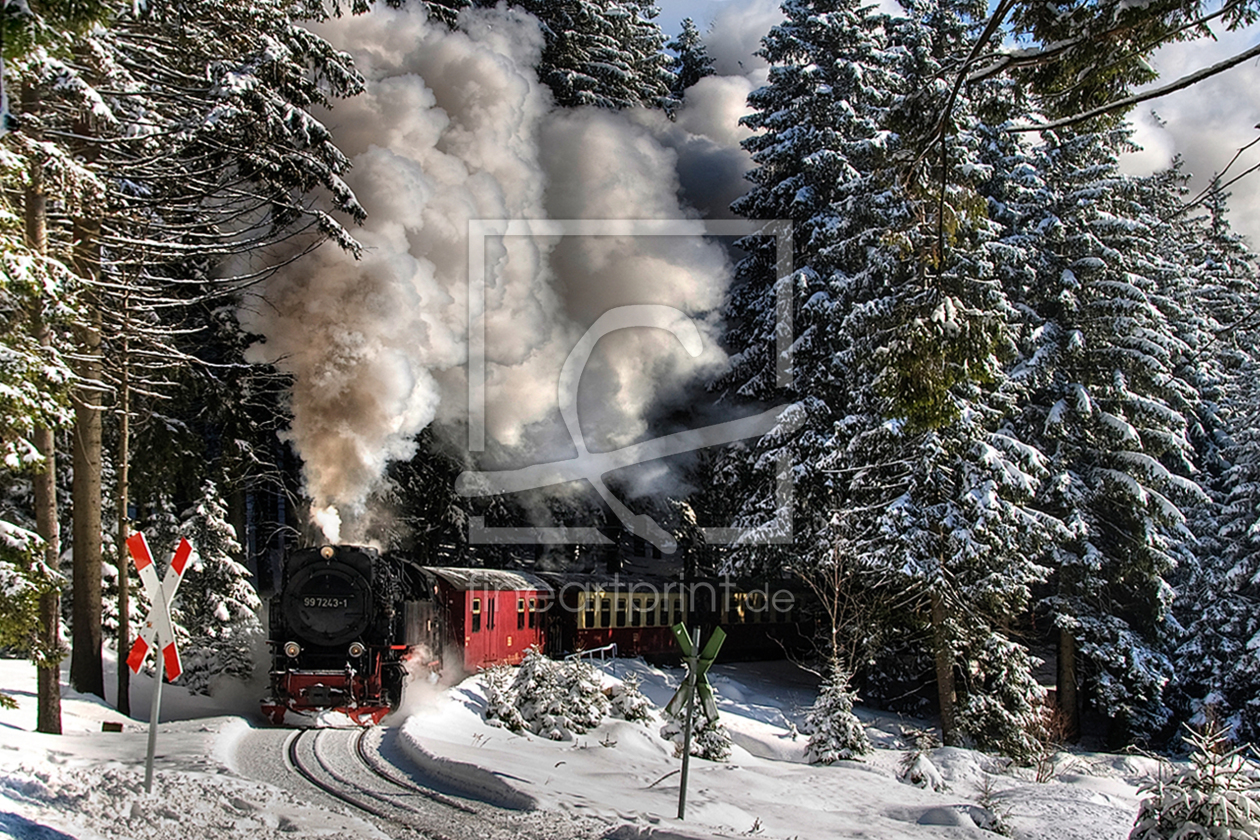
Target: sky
<point x="1206" y="124"/>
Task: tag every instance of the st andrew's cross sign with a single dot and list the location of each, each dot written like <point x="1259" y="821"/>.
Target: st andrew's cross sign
<point x="158" y="633"/>
<point x="696" y="685"/>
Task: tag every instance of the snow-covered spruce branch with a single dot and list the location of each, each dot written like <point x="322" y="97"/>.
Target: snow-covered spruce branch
<point x="1000" y="62"/>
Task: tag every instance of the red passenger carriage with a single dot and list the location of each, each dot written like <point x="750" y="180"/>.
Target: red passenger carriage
<point x="491" y="616"/>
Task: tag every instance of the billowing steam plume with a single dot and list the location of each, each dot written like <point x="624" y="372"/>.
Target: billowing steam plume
<point x="455" y="127"/>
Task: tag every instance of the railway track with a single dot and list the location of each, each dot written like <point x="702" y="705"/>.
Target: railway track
<point x="340" y="763"/>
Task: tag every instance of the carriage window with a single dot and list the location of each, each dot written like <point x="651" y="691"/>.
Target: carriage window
<point x="677" y="610"/>
<point x="520" y="615"/>
<point x="533" y="613"/>
<point x="621" y="611"/>
<point x="636" y="613"/>
<point x="589" y="603"/>
<point x="476" y="615"/>
<point x="605" y="612"/>
<point x="649" y="611"/>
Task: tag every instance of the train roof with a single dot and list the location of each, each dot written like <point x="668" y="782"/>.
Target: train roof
<point x="463" y="580"/>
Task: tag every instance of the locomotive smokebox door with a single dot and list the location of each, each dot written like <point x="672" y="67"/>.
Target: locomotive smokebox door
<point x="328" y="602"/>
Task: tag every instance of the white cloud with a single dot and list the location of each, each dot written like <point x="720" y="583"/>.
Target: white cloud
<point x="1206" y="123"/>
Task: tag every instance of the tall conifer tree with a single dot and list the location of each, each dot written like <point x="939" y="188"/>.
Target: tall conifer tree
<point x="900" y="315"/>
<point x="1105" y="403"/>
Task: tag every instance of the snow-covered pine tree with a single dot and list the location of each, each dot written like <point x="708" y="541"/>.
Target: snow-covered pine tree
<point x="835" y="731"/>
<point x="628" y="702"/>
<point x="606" y="53"/>
<point x="818" y="141"/>
<point x="192" y="118"/>
<point x="691" y="61"/>
<point x="1218" y="662"/>
<point x="899" y="321"/>
<point x="709" y="738"/>
<point x="38" y="297"/>
<point x="217" y="605"/>
<point x="1103" y="398"/>
<point x="546" y="697"/>
<point x="500" y="699"/>
<point x="109" y="610"/>
<point x="23" y="580"/>
<point x="646" y="42"/>
<point x="35" y="292"/>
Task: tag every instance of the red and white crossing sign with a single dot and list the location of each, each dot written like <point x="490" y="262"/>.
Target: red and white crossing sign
<point x="158" y="632"/>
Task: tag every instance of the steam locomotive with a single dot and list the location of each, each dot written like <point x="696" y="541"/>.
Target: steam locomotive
<point x="341" y="624"/>
<point x="349" y="626"/>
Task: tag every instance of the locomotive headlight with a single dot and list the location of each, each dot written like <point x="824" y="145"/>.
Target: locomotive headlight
<point x="292" y="649"/>
<point x="327" y="552"/>
<point x="357" y="649"/>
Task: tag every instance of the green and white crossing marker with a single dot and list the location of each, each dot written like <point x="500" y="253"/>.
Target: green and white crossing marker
<point x="696" y="685"/>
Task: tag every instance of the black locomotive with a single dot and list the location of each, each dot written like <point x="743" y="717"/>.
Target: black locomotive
<point x="343" y="621"/>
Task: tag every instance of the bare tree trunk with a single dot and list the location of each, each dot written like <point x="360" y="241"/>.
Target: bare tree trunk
<point x="48" y="634"/>
<point x="1065" y="685"/>
<point x="86" y="671"/>
<point x="944" y="656"/>
<point x="48" y="641"/>
<point x="124" y="526"/>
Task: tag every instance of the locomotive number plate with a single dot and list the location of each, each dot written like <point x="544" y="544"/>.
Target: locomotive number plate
<point x="326" y="603"/>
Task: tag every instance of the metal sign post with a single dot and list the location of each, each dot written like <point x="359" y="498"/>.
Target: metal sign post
<point x="158" y="633"/>
<point x="691" y="711"/>
<point x="696" y="685"/>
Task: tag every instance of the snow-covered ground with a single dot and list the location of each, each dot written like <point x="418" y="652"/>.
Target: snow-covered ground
<point x="619" y="777"/>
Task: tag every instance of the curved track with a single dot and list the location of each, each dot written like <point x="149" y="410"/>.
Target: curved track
<point x="338" y="762"/>
<point x="365" y="771"/>
<point x="378" y="767"/>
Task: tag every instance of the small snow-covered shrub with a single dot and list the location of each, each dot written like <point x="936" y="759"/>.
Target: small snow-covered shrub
<point x="548" y="698"/>
<point x="836" y="732"/>
<point x="500" y="701"/>
<point x="1216" y="798"/>
<point x="628" y="702"/>
<point x="709" y="739"/>
<point x="915" y="768"/>
<point x="918" y="770"/>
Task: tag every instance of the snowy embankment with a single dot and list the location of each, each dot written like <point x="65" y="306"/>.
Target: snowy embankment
<point x="625" y="772"/>
<point x="88" y="784"/>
